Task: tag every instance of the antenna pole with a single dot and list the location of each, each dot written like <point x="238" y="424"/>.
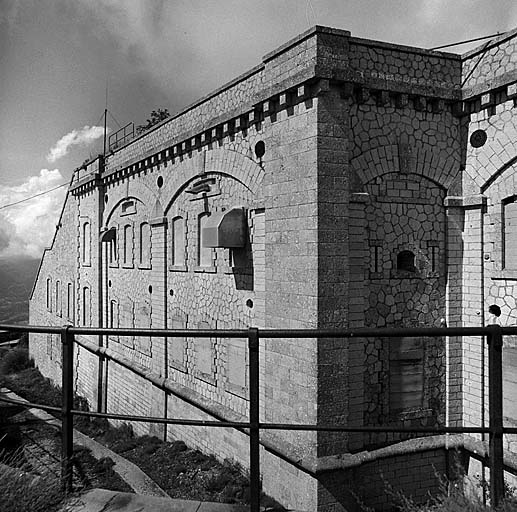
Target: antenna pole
<point x="105" y="118"/>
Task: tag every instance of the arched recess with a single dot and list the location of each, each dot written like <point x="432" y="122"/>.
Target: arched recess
<point x="509" y="168"/>
<point x="499" y="152"/>
<point x="119" y="203"/>
<point x="220" y="162"/>
<point x="428" y="162"/>
<point x="137" y="190"/>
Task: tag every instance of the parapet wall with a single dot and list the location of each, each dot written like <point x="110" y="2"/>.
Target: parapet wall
<point x="365" y="205"/>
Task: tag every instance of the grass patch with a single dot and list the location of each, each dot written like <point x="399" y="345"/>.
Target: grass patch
<point x="452" y="497"/>
<point x="180" y="471"/>
<point x="21" y="491"/>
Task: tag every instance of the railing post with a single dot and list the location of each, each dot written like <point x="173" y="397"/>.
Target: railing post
<point x="495" y="390"/>
<point x="253" y="348"/>
<point x="67" y="426"/>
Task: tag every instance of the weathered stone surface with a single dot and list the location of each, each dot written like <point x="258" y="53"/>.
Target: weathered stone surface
<point x="366" y="206"/>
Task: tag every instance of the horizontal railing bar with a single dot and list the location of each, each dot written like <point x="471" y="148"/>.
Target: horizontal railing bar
<point x="162" y="333"/>
<point x="168" y="421"/>
<point x="30" y="405"/>
<point x="379" y="333"/>
<point x="264" y="426"/>
<point x="337" y="428"/>
<point x="268" y="333"/>
<point x="31" y="328"/>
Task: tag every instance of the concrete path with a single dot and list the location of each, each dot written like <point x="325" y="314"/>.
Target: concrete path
<point x="149" y="497"/>
<point x="129" y="472"/>
<point x="100" y="500"/>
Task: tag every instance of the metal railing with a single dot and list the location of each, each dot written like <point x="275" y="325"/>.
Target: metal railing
<point x="496" y="429"/>
<point x="125" y="134"/>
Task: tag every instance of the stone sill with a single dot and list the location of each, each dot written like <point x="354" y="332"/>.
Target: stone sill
<point x="178" y="268"/>
<point x="209" y="270"/>
<point x="510" y="275"/>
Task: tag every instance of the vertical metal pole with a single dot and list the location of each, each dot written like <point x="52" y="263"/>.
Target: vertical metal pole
<point x="253" y="348"/>
<point x="495" y="389"/>
<point x="67" y="425"/>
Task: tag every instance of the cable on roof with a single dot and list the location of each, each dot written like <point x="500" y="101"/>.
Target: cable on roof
<point x="465" y="41"/>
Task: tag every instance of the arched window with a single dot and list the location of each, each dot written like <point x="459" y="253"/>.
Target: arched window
<point x="70" y="302"/>
<point x="510" y="233"/>
<point x="204" y="254"/>
<point x="178" y="241"/>
<point x="86" y="317"/>
<point x="86" y="241"/>
<point x="114" y="319"/>
<point x="113" y="249"/>
<point x="144" y="252"/>
<point x="49" y="294"/>
<point x="406" y="261"/>
<point x="127" y="245"/>
<point x="58" y="298"/>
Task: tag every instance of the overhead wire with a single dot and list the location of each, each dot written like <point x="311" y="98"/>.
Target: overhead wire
<point x="113" y="117"/>
<point x="33" y="196"/>
<point x="465" y="41"/>
<point x="58" y="186"/>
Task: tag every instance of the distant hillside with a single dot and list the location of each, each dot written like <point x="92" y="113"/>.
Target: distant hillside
<point x="16" y="279"/>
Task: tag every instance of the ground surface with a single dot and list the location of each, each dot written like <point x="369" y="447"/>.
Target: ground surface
<point x="181" y="472"/>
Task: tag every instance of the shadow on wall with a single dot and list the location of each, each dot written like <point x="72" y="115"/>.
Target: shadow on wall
<point x="242" y="264"/>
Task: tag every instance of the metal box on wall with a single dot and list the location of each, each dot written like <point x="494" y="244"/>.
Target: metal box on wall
<point x="226" y="229"/>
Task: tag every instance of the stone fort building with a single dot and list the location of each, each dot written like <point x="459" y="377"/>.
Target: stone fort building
<point x="341" y="183"/>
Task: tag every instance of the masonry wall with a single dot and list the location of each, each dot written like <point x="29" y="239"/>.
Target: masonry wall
<point x="489" y="176"/>
<point x="365" y="206"/>
<point x="387" y="162"/>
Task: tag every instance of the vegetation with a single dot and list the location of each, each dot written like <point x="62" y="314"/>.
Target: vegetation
<point x="157" y="116"/>
<point x="22" y="491"/>
<point x="182" y="472"/>
<point x="453" y="497"/>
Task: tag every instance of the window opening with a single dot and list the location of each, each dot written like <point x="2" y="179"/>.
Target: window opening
<point x="178" y="241"/>
<point x="86" y="307"/>
<point x="127" y="244"/>
<point x="145" y="244"/>
<point x="70" y="302"/>
<point x="86" y="243"/>
<point x="113" y="256"/>
<point x="406" y="374"/>
<point x="510" y="233"/>
<point x="49" y="294"/>
<point x="406" y="261"/>
<point x="58" y="298"/>
<point x="204" y="253"/>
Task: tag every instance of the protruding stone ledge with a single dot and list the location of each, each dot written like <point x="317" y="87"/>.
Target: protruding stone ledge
<point x="477" y="201"/>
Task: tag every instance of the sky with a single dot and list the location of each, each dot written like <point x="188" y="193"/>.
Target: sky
<point x="61" y="59"/>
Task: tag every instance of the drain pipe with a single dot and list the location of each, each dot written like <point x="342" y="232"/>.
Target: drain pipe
<point x="102" y="369"/>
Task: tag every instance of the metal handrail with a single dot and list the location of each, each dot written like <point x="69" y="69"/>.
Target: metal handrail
<point x="496" y="429"/>
<point x="121" y="136"/>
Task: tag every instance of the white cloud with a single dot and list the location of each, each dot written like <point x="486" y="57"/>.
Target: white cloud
<point x="27" y="228"/>
<point x="83" y="137"/>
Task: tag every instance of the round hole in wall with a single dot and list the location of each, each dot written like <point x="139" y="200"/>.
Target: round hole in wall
<point x="171" y="292"/>
<point x="495" y="310"/>
<point x="478" y="138"/>
<point x="249" y="303"/>
<point x="109" y="283"/>
<point x="150" y="288"/>
<point x="159" y="181"/>
<point x="260" y="149"/>
<point x="106" y="198"/>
